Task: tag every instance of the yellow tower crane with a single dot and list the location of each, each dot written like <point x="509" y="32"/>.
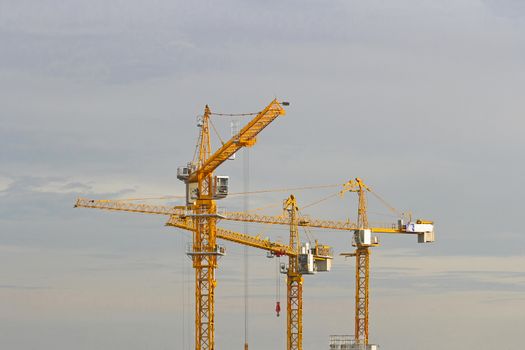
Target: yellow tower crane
<point x="308" y="260"/>
<point x="202" y="188"/>
<point x="363" y="240"/>
<point x="294" y="283"/>
<point x="301" y="259"/>
<point x="179" y="217"/>
<point x="200" y="216"/>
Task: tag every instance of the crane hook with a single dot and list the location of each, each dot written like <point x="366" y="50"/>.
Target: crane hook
<point x="277" y="308"/>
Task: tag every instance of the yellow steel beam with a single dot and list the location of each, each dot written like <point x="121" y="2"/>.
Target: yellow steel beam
<point x="304" y="221"/>
<point x="246" y="137"/>
<point x="362" y="286"/>
<point x="294" y="282"/>
<point x="116" y="205"/>
<point x="236" y="237"/>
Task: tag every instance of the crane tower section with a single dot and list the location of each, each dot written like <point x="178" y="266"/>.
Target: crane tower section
<point x="202" y="189"/>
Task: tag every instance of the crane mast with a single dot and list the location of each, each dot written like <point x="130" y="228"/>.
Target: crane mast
<point x="204" y="253"/>
<point x="202" y="188"/>
<point x="294" y="282"/>
<point x="362" y="241"/>
<point x="362" y="257"/>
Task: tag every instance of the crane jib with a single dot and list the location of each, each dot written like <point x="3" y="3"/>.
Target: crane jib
<point x="246" y="137"/>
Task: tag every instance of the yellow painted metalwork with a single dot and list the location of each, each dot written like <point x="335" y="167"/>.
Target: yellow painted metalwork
<point x="117" y="205"/>
<point x="362" y="263"/>
<point x="303" y="221"/>
<point x="358" y="186"/>
<point x="236" y="237"/>
<point x="362" y="284"/>
<point x="307" y="221"/>
<point x="246" y="137"/>
<point x="180" y="218"/>
<point x="294" y="282"/>
<point x="362" y="267"/>
<point x="205" y="216"/>
<point x="204" y="246"/>
<point x="202" y="221"/>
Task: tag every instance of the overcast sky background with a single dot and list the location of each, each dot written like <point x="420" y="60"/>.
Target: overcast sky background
<point x="422" y="99"/>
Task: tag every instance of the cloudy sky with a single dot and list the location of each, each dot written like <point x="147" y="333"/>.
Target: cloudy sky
<point x="422" y="99"/>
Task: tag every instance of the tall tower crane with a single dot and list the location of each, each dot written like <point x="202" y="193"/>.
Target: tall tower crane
<point x="202" y="190"/>
<point x="302" y="259"/>
<point x="363" y="240"/>
<point x="200" y="216"/>
<point x="294" y="283"/>
<point x="308" y="260"/>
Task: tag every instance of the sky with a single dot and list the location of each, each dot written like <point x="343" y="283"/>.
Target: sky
<point x="421" y="99"/>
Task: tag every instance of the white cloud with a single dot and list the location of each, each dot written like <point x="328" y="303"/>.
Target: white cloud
<point x="5" y="182"/>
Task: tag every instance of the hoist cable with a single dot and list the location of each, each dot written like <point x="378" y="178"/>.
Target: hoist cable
<point x="306" y="231"/>
<point x="146" y="198"/>
<point x="181" y="242"/>
<point x="320" y="200"/>
<point x="277" y="279"/>
<point x="246" y="178"/>
<point x="283" y="190"/>
<point x="262" y="208"/>
<point x="234" y="114"/>
<point x="216" y="132"/>
<point x="386" y="204"/>
<point x="196" y="147"/>
<point x="238" y="193"/>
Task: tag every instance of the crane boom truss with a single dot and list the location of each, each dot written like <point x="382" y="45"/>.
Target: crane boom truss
<point x="294" y="283"/>
<point x="116" y="205"/>
<point x="362" y="284"/>
<point x="306" y="221"/>
<point x="245" y="137"/>
<point x="174" y="212"/>
<point x="240" y="238"/>
<point x="179" y="219"/>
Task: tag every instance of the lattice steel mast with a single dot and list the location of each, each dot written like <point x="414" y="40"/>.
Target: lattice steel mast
<point x="294" y="283"/>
